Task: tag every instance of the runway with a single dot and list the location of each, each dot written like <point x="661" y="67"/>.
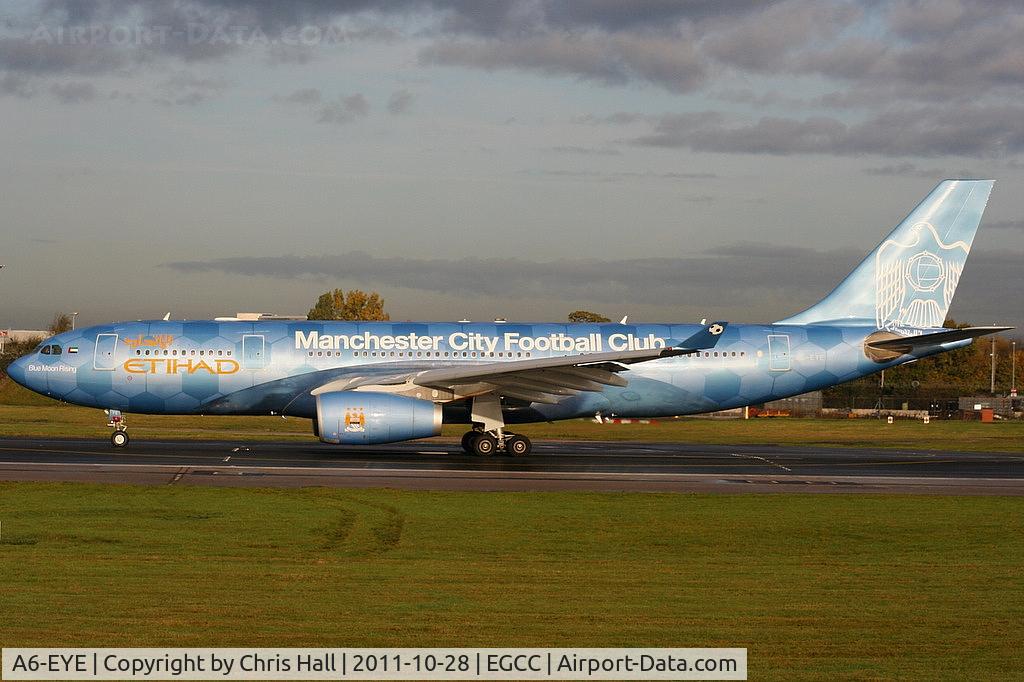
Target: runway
<point x="553" y="465"/>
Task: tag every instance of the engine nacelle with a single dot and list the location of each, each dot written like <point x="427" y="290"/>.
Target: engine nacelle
<point x="357" y="418"/>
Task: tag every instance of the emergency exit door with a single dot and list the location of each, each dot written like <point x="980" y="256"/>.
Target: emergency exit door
<point x="103" y="354"/>
<point x="778" y="353"/>
<point x="254" y="354"/>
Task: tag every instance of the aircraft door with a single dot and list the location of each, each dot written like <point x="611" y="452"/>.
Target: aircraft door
<point x="253" y="351"/>
<point x="103" y="354"/>
<point x="778" y="353"/>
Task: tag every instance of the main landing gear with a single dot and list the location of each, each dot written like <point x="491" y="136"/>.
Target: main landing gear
<point x="487" y="443"/>
<point x="119" y="438"/>
<point x="488" y="435"/>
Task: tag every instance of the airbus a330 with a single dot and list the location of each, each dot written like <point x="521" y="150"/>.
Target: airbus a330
<point x="365" y="383"/>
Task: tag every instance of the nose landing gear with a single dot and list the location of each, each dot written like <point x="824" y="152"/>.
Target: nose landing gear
<point x="119" y="438"/>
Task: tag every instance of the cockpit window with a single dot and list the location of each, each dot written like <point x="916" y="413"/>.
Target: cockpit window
<point x="45" y="350"/>
<point x="55" y="349"/>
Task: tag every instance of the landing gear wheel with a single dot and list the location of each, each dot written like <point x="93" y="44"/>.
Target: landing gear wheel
<point x="518" y="446"/>
<point x="467" y="440"/>
<point x="119" y="439"/>
<point x="484" y="445"/>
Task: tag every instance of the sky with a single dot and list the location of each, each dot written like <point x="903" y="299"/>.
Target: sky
<point x="669" y="160"/>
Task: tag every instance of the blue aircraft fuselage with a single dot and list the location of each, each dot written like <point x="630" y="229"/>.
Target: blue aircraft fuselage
<point x="262" y="368"/>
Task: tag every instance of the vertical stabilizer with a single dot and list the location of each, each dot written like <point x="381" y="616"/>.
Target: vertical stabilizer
<point x="908" y="281"/>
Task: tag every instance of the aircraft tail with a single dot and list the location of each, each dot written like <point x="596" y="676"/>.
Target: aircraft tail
<point x="908" y="281"/>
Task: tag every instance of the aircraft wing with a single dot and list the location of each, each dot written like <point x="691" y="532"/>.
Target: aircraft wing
<point x="543" y="380"/>
<point x="907" y="344"/>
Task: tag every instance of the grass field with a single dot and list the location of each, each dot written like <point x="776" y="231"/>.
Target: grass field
<point x="822" y="586"/>
<point x="23" y="413"/>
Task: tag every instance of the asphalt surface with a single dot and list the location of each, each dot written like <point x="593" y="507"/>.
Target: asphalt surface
<point x="572" y="465"/>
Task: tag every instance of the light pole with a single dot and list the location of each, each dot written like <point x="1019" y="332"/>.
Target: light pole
<point x="1013" y="367"/>
<point x="73" y="316"/>
<point x="992" y="386"/>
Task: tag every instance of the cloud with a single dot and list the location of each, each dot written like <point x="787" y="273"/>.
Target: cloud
<point x="902" y="78"/>
<point x="793" y="274"/>
<point x="619" y="118"/>
<point x="1005" y="224"/>
<point x="400" y="102"/>
<point x="301" y="96"/>
<point x="344" y="110"/>
<point x="73" y="93"/>
<point x="650" y="279"/>
<point x="976" y="131"/>
<point x="187" y="89"/>
<point x="765" y="40"/>
<point x="585" y="151"/>
<point x="911" y="50"/>
<point x="23" y="55"/>
<point x="906" y="168"/>
<point x="670" y="61"/>
<point x="617" y="176"/>
<point x="279" y="53"/>
<point x="19" y="86"/>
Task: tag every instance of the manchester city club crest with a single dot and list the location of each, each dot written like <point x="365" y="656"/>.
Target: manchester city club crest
<point x="355" y="420"/>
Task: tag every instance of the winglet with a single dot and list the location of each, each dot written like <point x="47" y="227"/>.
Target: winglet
<point x="706" y="338"/>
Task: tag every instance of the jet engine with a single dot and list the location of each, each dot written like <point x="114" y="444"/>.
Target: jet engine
<point x="357" y="418"/>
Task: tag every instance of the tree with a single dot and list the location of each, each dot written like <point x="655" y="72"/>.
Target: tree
<point x="61" y="323"/>
<point x="354" y="305"/>
<point x="587" y="316"/>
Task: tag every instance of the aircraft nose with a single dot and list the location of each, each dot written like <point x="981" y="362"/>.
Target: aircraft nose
<point x="16" y="371"/>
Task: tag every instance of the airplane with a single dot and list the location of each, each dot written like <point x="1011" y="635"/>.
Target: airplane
<point x="366" y="383"/>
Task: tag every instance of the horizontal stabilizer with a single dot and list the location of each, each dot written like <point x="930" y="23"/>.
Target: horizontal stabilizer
<point x="906" y="344"/>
